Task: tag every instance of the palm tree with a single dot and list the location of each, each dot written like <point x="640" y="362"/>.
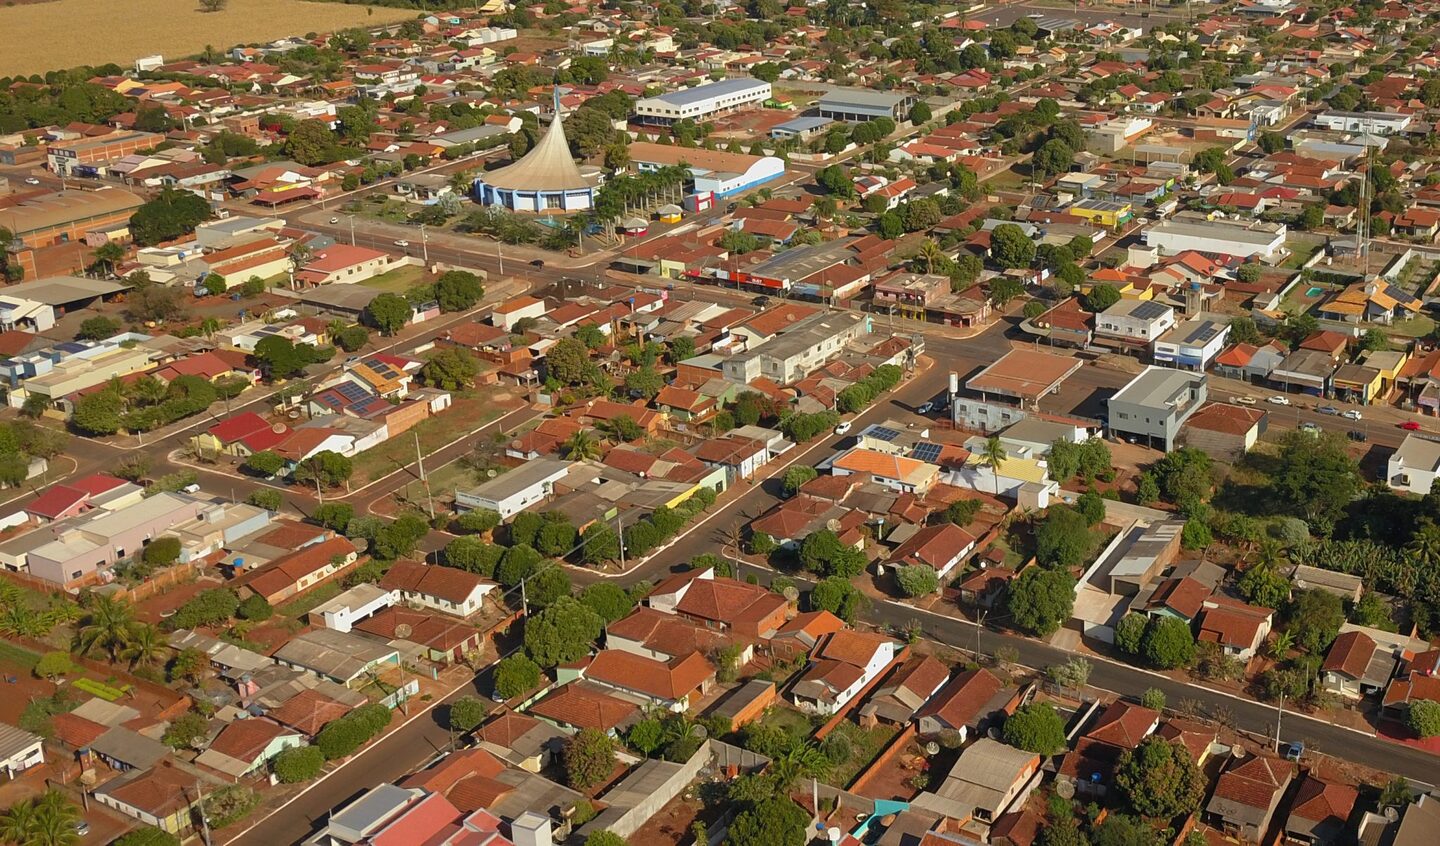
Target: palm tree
<point x="582" y="446"/>
<point x="20" y="620"/>
<point x="929" y="253"/>
<point x="1425" y="545"/>
<point x="992" y="455"/>
<point x="55" y="818"/>
<point x="801" y="762"/>
<point x="18" y="824"/>
<point x="144" y="647"/>
<point x="108" y="254"/>
<point x="1282" y="644"/>
<point x="107" y="627"/>
<point x="147" y="390"/>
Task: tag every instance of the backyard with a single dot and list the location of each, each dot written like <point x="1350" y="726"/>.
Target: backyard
<point x="470" y="411"/>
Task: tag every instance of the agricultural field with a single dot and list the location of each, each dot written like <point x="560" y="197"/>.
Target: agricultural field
<point x="51" y="36"/>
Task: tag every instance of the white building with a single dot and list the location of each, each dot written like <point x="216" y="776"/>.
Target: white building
<point x="715" y="172"/>
<point x="350" y="607"/>
<point x="1373" y="123"/>
<point x="1135" y="320"/>
<point x="702" y="102"/>
<point x="840" y="667"/>
<point x="512" y="492"/>
<point x="1245" y="239"/>
<point x="19" y="750"/>
<point x="1414" y="466"/>
<point x="1193" y="344"/>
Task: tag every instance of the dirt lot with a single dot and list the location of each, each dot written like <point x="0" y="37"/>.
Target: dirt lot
<point x="752" y="123"/>
<point x="45" y="36"/>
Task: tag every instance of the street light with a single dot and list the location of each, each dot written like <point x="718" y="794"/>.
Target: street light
<point x="424" y="246"/>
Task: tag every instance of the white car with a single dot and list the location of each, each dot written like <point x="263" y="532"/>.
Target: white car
<point x="843" y="427"/>
<point x="1353" y="414"/>
<point x="1035" y="16"/>
<point x="402" y="243"/>
<point x="1243" y="400"/>
<point x="1278" y="400"/>
<point x="30" y="180"/>
<point x="334" y="220"/>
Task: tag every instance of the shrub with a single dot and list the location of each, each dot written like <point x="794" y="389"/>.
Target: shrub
<point x="162" y="551"/>
<point x="299" y="763"/>
<point x="515" y="675"/>
<point x="255" y="608"/>
<point x="466" y="713"/>
<point x="917" y="580"/>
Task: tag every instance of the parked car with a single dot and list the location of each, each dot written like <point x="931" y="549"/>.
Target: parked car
<point x="1357" y="435"/>
<point x="843" y="428"/>
<point x="1278" y="400"/>
<point x="925" y="408"/>
<point x="537" y="262"/>
<point x="1327" y="409"/>
<point x="1410" y="426"/>
<point x="30" y="180"/>
<point x="334" y="220"/>
<point x="80" y="827"/>
<point x="191" y="488"/>
<point x="402" y="243"/>
<point x="1313" y="428"/>
<point x="1353" y="414"/>
<point x="761" y="301"/>
<point x="1243" y="400"/>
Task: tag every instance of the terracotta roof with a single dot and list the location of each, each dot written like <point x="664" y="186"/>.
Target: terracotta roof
<point x="1254" y="781"/>
<point x="1319" y="801"/>
<point x="246" y="740"/>
<point x="453" y="768"/>
<point x="447" y="583"/>
<point x="1232" y="624"/>
<point x="584" y="706"/>
<point x="1226" y="418"/>
<point x="1350" y="654"/>
<point x="57" y="500"/>
<point x="76" y="731"/>
<point x="851" y="647"/>
<point x="1124" y="724"/>
<point x="1194" y="736"/>
<point x="936" y="546"/>
<point x="1184" y="596"/>
<point x="666" y="633"/>
<point x="921" y="674"/>
<point x="729" y="601"/>
<point x="673" y="680"/>
<point x="308" y="711"/>
<point x="958" y="703"/>
<point x="287" y="571"/>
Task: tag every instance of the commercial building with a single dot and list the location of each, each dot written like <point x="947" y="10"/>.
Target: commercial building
<point x="1153" y="407"/>
<point x="857" y="105"/>
<point x="798" y="352"/>
<point x="701" y="102"/>
<point x="512" y="492"/>
<point x="1371" y="123"/>
<point x="715" y="173"/>
<point x="1134" y="322"/>
<point x="89" y="156"/>
<point x="1192" y="344"/>
<point x="342" y="263"/>
<point x="67" y="216"/>
<point x="1023" y="375"/>
<point x="1244" y="239"/>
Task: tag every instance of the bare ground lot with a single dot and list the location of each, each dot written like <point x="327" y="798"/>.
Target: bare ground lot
<point x="37" y="39"/>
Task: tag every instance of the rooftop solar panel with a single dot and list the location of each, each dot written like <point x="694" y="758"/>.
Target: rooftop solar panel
<point x="927" y="451"/>
<point x="883" y="433"/>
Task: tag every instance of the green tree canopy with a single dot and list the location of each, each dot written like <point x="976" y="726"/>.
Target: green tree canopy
<point x="1159" y="779"/>
<point x="1037" y="728"/>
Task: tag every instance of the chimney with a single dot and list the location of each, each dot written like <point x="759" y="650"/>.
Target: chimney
<point x="531" y="829"/>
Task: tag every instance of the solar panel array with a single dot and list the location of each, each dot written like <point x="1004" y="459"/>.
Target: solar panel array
<point x="883" y="433"/>
<point x="926" y="451"/>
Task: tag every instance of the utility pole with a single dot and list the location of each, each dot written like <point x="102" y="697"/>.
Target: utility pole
<point x="620" y="533"/>
<point x="1279" y="714"/>
<point x="420" y="462"/>
<point x="204" y="821"/>
<point x="319" y="495"/>
<point x="424" y="246"/>
<point x="352" y="229"/>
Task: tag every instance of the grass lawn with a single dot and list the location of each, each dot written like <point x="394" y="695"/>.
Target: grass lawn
<point x="1300" y="254"/>
<point x="16" y="656"/>
<point x="397" y="281"/>
<point x="865" y="745"/>
<point x="1006" y="180"/>
<point x="1414" y="327"/>
<point x="303" y="605"/>
<point x="469" y="412"/>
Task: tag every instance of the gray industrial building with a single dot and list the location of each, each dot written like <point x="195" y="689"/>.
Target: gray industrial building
<point x="858" y="105"/>
<point x="1156" y="403"/>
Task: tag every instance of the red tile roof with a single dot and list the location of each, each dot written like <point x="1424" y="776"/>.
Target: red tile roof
<point x="1254" y="781"/>
<point x="1124" y="724"/>
<point x="1320" y="801"/>
<point x="958" y="703"/>
<point x="447" y="583"/>
<point x="673" y="680"/>
<point x="1350" y="654"/>
<point x="581" y="705"/>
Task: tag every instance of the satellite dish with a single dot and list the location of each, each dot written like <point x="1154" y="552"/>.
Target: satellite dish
<point x="932" y="748"/>
<point x="699" y="731"/>
<point x="1064" y="788"/>
<point x="490" y="474"/>
<point x="1391" y="813"/>
<point x="833" y="525"/>
<point x="791" y="594"/>
<point x="403" y="631"/>
<point x="993" y="733"/>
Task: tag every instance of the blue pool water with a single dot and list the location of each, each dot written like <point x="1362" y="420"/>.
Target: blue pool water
<point x="1314" y="292"/>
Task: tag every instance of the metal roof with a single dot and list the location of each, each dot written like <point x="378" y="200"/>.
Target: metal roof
<point x="547" y="167"/>
<point x="701" y="93"/>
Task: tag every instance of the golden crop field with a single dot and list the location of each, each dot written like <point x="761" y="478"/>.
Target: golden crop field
<point x="38" y="37"/>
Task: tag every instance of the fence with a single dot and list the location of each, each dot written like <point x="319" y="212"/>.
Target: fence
<point x="159" y="582"/>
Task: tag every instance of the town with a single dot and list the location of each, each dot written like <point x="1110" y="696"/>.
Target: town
<point x="728" y="423"/>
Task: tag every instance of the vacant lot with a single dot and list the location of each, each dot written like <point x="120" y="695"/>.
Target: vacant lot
<point x="50" y="36"/>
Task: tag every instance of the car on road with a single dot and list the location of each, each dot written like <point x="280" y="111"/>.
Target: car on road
<point x="1243" y="400"/>
<point x="30" y="180"/>
<point x="1313" y="428"/>
<point x="1353" y="414"/>
<point x="402" y="243"/>
<point x="1410" y="426"/>
<point x="843" y="428"/>
<point x="1356" y="435"/>
<point x="80" y="827"/>
<point x="334" y="220"/>
<point x="1327" y="409"/>
<point x="1278" y="400"/>
<point x="1035" y="16"/>
<point x="925" y="408"/>
<point x="762" y="301"/>
<point x="537" y="262"/>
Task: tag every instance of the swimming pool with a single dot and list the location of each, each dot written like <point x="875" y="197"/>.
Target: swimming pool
<point x="1314" y="292"/>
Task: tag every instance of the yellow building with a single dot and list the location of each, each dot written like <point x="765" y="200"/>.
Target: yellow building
<point x="1107" y="213"/>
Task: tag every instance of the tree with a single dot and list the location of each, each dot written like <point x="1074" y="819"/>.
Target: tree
<point x="450" y="368"/>
<point x="1037" y="728"/>
<point x="1316" y="619"/>
<point x="298" y="763"/>
<point x="838" y="596"/>
<point x="588" y="758"/>
<point x="53" y="665"/>
<point x="473" y="555"/>
<point x="254" y="608"/>
<point x="350" y="338"/>
<point x="1042" y="599"/>
<point x="107" y="626"/>
<point x="1091" y="506"/>
<point x="389" y="313"/>
<point x="479" y="520"/>
<point x="1130" y="633"/>
<point x="466" y="713"/>
<point x="206" y="608"/>
<point x="917" y="580"/>
<point x="98" y="328"/>
<point x="795" y="477"/>
<point x="280" y="358"/>
<point x="1264" y="585"/>
<point x="335" y="516"/>
<point x="645" y="381"/>
<point x="328" y="467"/>
<point x="265" y="463"/>
<point x="610" y="601"/>
<point x="1011" y="247"/>
<point x="561" y="633"/>
<point x="186" y="731"/>
<point x="516" y="675"/>
<point x="548" y="585"/>
<point x="97" y="414"/>
<point x="775" y="821"/>
<point x="213" y="284"/>
<point x="1154" y="699"/>
<point x="458" y="290"/>
<point x="599" y="543"/>
<point x="1423" y="717"/>
<point x="167" y="216"/>
<point x="311" y="143"/>
<point x="163" y="551"/>
<point x="582" y="446"/>
<point x="1063" y="539"/>
<point x="1101" y="297"/>
<point x="962" y="512"/>
<point x="1054" y="157"/>
<point x="822" y="552"/>
<point x="1196" y="534"/>
<point x="1159" y="779"/>
<point x="46" y="820"/>
<point x="147" y="836"/>
<point x="213" y="5"/>
<point x="1168" y="643"/>
<point x="1063" y="832"/>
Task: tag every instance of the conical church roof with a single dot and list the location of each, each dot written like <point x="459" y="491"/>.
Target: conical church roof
<point x="547" y="167"/>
